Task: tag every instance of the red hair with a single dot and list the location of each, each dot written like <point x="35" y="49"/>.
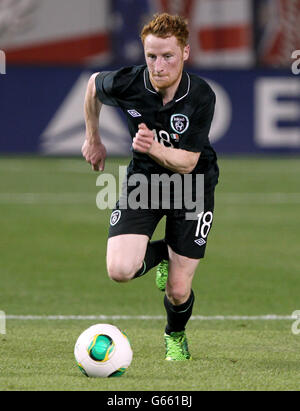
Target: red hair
<point x="166" y="25"/>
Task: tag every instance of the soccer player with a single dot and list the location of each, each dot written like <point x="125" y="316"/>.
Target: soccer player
<point x="169" y="114"/>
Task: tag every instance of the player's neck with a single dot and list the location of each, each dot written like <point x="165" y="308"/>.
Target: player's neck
<point x="168" y="93"/>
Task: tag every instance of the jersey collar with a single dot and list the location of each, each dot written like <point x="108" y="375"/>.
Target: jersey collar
<point x="182" y="91"/>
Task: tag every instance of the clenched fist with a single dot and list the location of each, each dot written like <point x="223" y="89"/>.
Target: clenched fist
<point x="143" y="139"/>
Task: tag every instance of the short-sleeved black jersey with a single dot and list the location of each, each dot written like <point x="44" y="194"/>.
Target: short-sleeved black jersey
<point x="183" y="123"/>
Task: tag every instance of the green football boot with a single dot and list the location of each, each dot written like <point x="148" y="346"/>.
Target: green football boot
<point x="162" y="272"/>
<point x="177" y="347"/>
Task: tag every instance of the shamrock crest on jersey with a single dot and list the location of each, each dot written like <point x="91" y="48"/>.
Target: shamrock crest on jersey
<point x="180" y="123"/>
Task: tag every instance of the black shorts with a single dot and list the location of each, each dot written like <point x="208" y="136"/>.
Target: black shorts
<point x="186" y="237"/>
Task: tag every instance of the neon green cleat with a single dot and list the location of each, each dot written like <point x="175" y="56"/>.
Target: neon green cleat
<point x="177" y="347"/>
<point x="162" y="272"/>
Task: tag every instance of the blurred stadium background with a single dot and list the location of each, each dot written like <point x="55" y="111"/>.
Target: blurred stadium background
<point x="243" y="47"/>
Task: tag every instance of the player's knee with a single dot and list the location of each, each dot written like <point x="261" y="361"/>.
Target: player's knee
<point x="120" y="272"/>
<point x="177" y="294"/>
<point x="117" y="275"/>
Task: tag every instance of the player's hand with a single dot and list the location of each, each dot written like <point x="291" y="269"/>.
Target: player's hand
<point x="143" y="139"/>
<point x="95" y="154"/>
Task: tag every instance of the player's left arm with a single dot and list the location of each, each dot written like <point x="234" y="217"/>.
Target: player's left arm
<point x="177" y="160"/>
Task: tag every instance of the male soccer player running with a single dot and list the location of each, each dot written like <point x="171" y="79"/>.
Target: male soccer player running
<point x="169" y="114"/>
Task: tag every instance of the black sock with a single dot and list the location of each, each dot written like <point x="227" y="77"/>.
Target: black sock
<point x="156" y="252"/>
<point x="178" y="315"/>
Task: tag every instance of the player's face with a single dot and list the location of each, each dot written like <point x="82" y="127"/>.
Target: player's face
<point x="165" y="60"/>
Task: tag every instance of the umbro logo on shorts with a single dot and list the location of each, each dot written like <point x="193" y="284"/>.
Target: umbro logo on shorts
<point x="134" y="113"/>
<point x="115" y="217"/>
<point x="200" y="242"/>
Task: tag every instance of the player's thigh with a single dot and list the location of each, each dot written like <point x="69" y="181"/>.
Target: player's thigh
<point x="189" y="237"/>
<point x="129" y="234"/>
<point x="180" y="278"/>
<point x="125" y="255"/>
<point x="128" y="221"/>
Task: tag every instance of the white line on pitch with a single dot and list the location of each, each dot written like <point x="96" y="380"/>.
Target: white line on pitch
<point x="47" y="198"/>
<point x="259" y="198"/>
<point x="269" y="317"/>
<point x="90" y="198"/>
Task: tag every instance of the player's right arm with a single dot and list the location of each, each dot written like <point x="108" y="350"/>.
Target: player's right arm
<point x="93" y="149"/>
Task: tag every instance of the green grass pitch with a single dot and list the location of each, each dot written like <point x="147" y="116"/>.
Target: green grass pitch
<point x="52" y="263"/>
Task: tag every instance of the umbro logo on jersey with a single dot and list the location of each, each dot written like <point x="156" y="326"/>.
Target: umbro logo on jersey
<point x="180" y="123"/>
<point x="134" y="113"/>
<point x="200" y="242"/>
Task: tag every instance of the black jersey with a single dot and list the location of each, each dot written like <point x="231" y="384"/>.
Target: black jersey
<point x="183" y="123"/>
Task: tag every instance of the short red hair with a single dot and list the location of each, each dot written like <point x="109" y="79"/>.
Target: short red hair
<point x="166" y="25"/>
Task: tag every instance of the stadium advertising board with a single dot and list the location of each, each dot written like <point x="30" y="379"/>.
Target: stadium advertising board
<point x="258" y="111"/>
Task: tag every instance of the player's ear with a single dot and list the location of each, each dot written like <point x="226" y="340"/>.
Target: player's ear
<point x="186" y="52"/>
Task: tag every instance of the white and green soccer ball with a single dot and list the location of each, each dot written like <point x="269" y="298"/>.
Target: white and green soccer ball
<point x="103" y="350"/>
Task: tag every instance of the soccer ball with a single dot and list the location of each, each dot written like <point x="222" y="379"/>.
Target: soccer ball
<point x="103" y="350"/>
